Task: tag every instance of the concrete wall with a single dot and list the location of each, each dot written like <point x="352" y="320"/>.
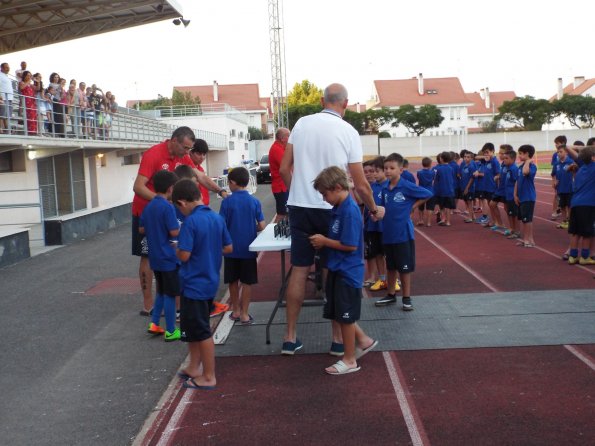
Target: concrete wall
<point x="14" y="247"/>
<point x="114" y="180"/>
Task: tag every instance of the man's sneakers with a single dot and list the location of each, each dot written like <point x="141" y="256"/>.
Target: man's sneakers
<point x="219" y="309"/>
<point x="386" y="300"/>
<point x="175" y="336"/>
<point x="155" y="329"/>
<point x="407" y="306"/>
<point x="379" y="285"/>
<point x="289" y="348"/>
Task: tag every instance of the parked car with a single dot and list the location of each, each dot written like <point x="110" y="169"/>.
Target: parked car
<point x="263" y="171"/>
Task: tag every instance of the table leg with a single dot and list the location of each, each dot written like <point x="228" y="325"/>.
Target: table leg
<point x="280" y="297"/>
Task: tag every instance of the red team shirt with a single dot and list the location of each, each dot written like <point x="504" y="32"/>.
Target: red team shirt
<point x="155" y="159"/>
<point x="204" y="192"/>
<point x="275" y="156"/>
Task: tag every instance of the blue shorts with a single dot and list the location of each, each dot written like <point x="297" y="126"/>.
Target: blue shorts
<point x="195" y="319"/>
<point x="303" y="223"/>
<point x="343" y="302"/>
<point x="400" y="256"/>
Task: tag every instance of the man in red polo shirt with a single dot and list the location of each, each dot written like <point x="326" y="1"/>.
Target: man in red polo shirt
<point x="164" y="156"/>
<point x="277" y="185"/>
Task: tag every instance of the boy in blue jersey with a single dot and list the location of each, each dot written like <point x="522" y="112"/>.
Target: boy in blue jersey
<point x="158" y="221"/>
<point x="425" y="178"/>
<point x="454" y="165"/>
<point x="243" y="217"/>
<point x="582" y="207"/>
<point x="499" y="195"/>
<point x="562" y="176"/>
<point x="373" y="229"/>
<point x="202" y="240"/>
<point x="444" y="188"/>
<point x="467" y="181"/>
<point x="524" y="194"/>
<point x="345" y="264"/>
<point x="510" y="178"/>
<point x="399" y="197"/>
<point x="486" y="184"/>
<point x="369" y="173"/>
<point x="559" y="141"/>
<point x="405" y="174"/>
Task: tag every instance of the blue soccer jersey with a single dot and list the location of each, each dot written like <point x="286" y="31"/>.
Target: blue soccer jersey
<point x="346" y="227"/>
<point x="455" y="172"/>
<point x="563" y="176"/>
<point x="501" y="182"/>
<point x="491" y="169"/>
<point x="406" y="175"/>
<point x="398" y="202"/>
<point x="584" y="186"/>
<point x="526" y="184"/>
<point x="466" y="173"/>
<point x="444" y="182"/>
<point x="241" y="212"/>
<point x="511" y="177"/>
<point x="425" y="178"/>
<point x="158" y="218"/>
<point x="371" y="225"/>
<point x="204" y="235"/>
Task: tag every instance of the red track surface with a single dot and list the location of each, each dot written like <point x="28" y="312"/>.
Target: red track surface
<point x="524" y="396"/>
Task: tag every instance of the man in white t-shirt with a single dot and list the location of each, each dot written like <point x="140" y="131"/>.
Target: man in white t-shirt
<point x="316" y="142"/>
<point x="6" y="96"/>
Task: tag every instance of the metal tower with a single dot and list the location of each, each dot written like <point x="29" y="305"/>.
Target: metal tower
<point x="279" y="80"/>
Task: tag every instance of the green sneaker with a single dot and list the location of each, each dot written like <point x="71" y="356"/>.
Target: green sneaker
<point x="175" y="336"/>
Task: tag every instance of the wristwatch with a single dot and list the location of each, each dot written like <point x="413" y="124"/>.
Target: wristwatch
<point x="221" y="191"/>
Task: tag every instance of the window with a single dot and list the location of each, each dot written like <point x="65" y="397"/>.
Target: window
<point x="241" y="135"/>
<point x="6" y="162"/>
<point x="231" y="145"/>
<point x="12" y="161"/>
<point x="128" y="160"/>
<point x="458" y="113"/>
<point x="232" y="132"/>
<point x="246" y="146"/>
<point x="452" y="113"/>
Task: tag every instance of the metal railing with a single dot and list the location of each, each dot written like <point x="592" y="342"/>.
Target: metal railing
<point x="175" y="111"/>
<point x="8" y="204"/>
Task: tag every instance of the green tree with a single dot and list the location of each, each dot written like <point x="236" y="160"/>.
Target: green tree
<point x="295" y="112"/>
<point x="579" y="110"/>
<point x="383" y="135"/>
<point x="304" y="93"/>
<point x="357" y="120"/>
<point x="177" y="98"/>
<point x="417" y="120"/>
<point x="255" y="133"/>
<point x="527" y="112"/>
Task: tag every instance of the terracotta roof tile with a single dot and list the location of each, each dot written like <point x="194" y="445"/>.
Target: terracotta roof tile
<point x="569" y="89"/>
<point x="448" y="90"/>
<point x="353" y="107"/>
<point x="496" y="98"/>
<point x="240" y="96"/>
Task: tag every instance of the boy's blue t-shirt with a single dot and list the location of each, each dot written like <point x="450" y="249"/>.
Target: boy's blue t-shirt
<point x="158" y="218"/>
<point x="501" y="184"/>
<point x="584" y="186"/>
<point x="398" y="202"/>
<point x="406" y="175"/>
<point x="346" y="226"/>
<point x="425" y="178"/>
<point x="479" y="181"/>
<point x="491" y="169"/>
<point x="371" y="225"/>
<point x="444" y="182"/>
<point x="511" y="177"/>
<point x="563" y="175"/>
<point x="455" y="172"/>
<point x="241" y="212"/>
<point x="466" y="173"/>
<point x="526" y="184"/>
<point x="204" y="235"/>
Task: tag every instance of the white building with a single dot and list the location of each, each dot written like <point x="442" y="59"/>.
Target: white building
<point x="486" y="105"/>
<point x="579" y="86"/>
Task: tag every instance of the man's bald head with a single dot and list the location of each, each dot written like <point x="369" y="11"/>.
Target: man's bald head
<point x="335" y="94"/>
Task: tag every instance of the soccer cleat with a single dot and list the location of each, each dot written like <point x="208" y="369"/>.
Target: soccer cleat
<point x="155" y="329"/>
<point x="572" y="260"/>
<point x="386" y="300"/>
<point x="379" y="285"/>
<point x="587" y="261"/>
<point x="219" y="309"/>
<point x="175" y="336"/>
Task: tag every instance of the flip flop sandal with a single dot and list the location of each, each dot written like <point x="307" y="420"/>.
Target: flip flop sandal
<point x="191" y="384"/>
<point x="529" y="245"/>
<point x="359" y="352"/>
<point x="342" y="369"/>
<point x="248" y="322"/>
<point x="234" y="318"/>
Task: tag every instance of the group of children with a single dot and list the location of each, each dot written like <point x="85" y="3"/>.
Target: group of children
<point x="186" y="241"/>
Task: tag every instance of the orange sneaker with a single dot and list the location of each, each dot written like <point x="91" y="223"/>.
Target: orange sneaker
<point x="219" y="308"/>
<point x="155" y="329"/>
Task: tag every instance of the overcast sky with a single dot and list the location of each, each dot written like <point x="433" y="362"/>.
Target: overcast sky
<point x="506" y="45"/>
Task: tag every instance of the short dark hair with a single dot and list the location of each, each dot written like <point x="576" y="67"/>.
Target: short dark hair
<point x="186" y="190"/>
<point x="591" y="141"/>
<point x="183" y="132"/>
<point x="239" y="175"/>
<point x="330" y="178"/>
<point x="200" y="146"/>
<point x="368" y="163"/>
<point x="379" y="162"/>
<point x="578" y="143"/>
<point x="560" y="139"/>
<point x="506" y="147"/>
<point x="394" y="157"/>
<point x="586" y="154"/>
<point x="511" y="153"/>
<point x="185" y="171"/>
<point x="528" y="149"/>
<point x="163" y="180"/>
<point x="405" y="162"/>
<point x="488" y="146"/>
<point x="426" y="162"/>
<point x="446" y="157"/>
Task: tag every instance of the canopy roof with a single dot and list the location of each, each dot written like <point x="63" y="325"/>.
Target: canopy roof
<point x="28" y="24"/>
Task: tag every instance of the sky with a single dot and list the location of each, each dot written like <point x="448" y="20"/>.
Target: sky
<point x="506" y="45"/>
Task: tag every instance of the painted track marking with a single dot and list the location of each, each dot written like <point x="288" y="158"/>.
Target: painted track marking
<point x="172" y="424"/>
<point x="580" y="355"/>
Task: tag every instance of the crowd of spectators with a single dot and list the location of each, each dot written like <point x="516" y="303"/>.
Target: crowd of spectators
<point x="55" y="109"/>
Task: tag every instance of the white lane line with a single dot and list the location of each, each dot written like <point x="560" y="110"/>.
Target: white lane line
<point x="172" y="424"/>
<point x="460" y="263"/>
<point x="415" y="431"/>
<point x="576" y="352"/>
<point x="556" y="256"/>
